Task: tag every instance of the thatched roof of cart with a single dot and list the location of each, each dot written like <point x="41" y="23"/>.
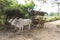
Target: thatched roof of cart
<point x="38" y="13"/>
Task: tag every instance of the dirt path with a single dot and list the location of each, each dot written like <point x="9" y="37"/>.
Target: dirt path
<point x="49" y="32"/>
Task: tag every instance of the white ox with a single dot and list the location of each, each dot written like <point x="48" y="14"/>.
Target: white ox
<point x="20" y="23"/>
<point x="23" y="22"/>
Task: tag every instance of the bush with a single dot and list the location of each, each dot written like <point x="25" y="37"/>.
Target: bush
<point x="58" y="25"/>
<point x="3" y="19"/>
<point x="53" y="18"/>
<point x="57" y="17"/>
<point x="52" y="14"/>
<point x="50" y="19"/>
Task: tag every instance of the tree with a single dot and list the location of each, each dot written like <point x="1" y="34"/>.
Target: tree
<point x="25" y="8"/>
<point x="11" y="8"/>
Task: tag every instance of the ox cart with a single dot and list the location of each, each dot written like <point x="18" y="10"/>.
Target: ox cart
<point x="33" y="22"/>
<point x="38" y="18"/>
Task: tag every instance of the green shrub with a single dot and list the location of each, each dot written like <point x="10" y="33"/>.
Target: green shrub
<point x="2" y="19"/>
<point x="52" y="14"/>
<point x="57" y="17"/>
<point x="58" y="25"/>
<point x="52" y="18"/>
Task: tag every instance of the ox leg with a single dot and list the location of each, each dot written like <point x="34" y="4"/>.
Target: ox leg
<point x="22" y="28"/>
<point x="41" y="25"/>
<point x="29" y="26"/>
<point x="19" y="30"/>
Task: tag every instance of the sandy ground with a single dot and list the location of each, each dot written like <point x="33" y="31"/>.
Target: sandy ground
<point x="49" y="32"/>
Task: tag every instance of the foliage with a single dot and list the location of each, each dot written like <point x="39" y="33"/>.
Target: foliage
<point x="27" y="6"/>
<point x="5" y="4"/>
<point x="12" y="8"/>
<point x="57" y="17"/>
<point x="23" y="8"/>
<point x="53" y="18"/>
<point x="52" y="14"/>
<point x="58" y="25"/>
